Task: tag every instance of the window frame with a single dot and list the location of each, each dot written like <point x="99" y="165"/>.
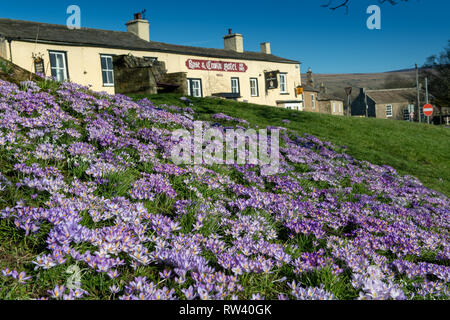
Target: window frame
<point x="104" y="55"/>
<point x="411" y="108"/>
<point x="293" y="106"/>
<point x="66" y="65"/>
<point x="238" y="85"/>
<point x="255" y="80"/>
<point x="392" y="111"/>
<point x="313" y="101"/>
<point x="284" y="76"/>
<point x="190" y="81"/>
<point x="406" y="114"/>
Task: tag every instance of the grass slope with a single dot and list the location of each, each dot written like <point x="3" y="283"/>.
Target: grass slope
<point x="413" y="149"/>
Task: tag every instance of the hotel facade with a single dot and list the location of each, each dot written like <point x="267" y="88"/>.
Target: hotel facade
<point x="85" y="56"/>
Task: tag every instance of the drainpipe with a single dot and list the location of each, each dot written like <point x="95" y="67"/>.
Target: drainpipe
<point x="10" y="49"/>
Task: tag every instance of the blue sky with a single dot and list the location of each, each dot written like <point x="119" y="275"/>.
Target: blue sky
<point x="326" y="41"/>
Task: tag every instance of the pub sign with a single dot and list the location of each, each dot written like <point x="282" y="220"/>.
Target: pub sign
<point x="221" y="66"/>
<point x="271" y="78"/>
<point x="39" y="67"/>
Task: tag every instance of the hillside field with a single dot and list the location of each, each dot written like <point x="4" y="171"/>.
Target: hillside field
<point x="336" y="83"/>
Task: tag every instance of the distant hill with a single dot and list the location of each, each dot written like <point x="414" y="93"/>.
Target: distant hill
<point x="335" y="83"/>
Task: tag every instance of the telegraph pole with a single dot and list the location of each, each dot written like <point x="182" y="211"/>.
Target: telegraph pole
<point x="348" y="92"/>
<point x="348" y="107"/>
<point x="418" y="93"/>
<point x="426" y="94"/>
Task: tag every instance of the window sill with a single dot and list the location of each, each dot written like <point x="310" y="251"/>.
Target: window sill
<point x="108" y="85"/>
<point x="284" y="93"/>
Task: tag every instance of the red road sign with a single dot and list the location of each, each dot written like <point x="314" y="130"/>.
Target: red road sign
<point x="428" y="110"/>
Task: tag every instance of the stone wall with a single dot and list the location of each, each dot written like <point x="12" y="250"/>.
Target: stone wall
<point x="325" y="106"/>
<point x="397" y="110"/>
<point x="133" y="75"/>
<point x="308" y="101"/>
<point x="3" y="48"/>
<point x="15" y="74"/>
<point x="173" y="82"/>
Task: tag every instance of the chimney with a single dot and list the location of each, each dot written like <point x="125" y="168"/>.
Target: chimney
<point x="234" y="41"/>
<point x="322" y="88"/>
<point x="309" y="78"/>
<point x="139" y="27"/>
<point x="265" y="48"/>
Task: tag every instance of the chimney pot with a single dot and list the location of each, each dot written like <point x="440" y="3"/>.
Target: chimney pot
<point x="139" y="27"/>
<point x="230" y="31"/>
<point x="234" y="42"/>
<point x="322" y="88"/>
<point x="310" y="79"/>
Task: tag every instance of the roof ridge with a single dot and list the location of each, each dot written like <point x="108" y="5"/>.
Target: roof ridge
<point x="165" y="47"/>
<point x="60" y="25"/>
<point x="395" y="89"/>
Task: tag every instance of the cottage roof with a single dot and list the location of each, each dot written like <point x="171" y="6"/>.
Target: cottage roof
<point x="309" y="88"/>
<point x="385" y="96"/>
<point x="327" y="97"/>
<point x="60" y="34"/>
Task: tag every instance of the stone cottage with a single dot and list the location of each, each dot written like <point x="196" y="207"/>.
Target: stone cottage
<point x="397" y="104"/>
<point x="317" y="100"/>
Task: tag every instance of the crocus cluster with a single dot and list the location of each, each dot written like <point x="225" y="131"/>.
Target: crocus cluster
<point x="151" y="185"/>
<point x="375" y="287"/>
<point x="21" y="277"/>
<point x="310" y="293"/>
<point x="221" y="116"/>
<point x="89" y="177"/>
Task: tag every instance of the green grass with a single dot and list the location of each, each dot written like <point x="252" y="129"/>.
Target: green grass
<point x="6" y="66"/>
<point x="414" y="149"/>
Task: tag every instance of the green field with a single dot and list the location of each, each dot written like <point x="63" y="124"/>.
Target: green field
<point x="419" y="150"/>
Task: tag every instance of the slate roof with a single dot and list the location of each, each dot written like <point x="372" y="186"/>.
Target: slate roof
<point x="327" y="97"/>
<point x="309" y="88"/>
<point x="393" y="95"/>
<point x="60" y="34"/>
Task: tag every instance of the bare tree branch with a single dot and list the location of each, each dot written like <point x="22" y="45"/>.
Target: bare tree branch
<point x="345" y="3"/>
